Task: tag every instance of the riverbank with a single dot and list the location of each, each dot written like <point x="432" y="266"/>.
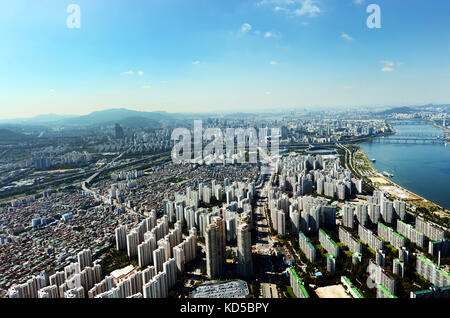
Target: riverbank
<point x="443" y="129"/>
<point x="381" y="182"/>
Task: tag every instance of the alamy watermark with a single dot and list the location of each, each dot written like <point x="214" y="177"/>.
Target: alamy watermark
<point x="371" y="280"/>
<point x="235" y="145"/>
<point x="74" y="19"/>
<point x="374" y="19"/>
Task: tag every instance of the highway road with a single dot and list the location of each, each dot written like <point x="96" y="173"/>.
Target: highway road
<point x="263" y="245"/>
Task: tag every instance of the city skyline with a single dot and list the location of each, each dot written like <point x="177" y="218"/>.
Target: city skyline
<point x="216" y="57"/>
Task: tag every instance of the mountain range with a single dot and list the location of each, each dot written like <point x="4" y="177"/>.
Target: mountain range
<point x="123" y="116"/>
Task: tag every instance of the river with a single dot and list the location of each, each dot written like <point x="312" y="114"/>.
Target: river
<point x="422" y="168"/>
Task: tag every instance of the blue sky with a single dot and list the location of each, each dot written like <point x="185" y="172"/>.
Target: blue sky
<point x="216" y="55"/>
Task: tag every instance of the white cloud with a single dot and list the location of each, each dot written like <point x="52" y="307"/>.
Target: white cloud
<point x="389" y="66"/>
<point x="278" y="2"/>
<point x="280" y="9"/>
<point x="346" y="36"/>
<point x="307" y="7"/>
<point x="273" y="62"/>
<point x="268" y="34"/>
<point x="140" y="73"/>
<point x="127" y="73"/>
<point x="387" y="69"/>
<point x="387" y="63"/>
<point x="51" y="90"/>
<point x="196" y="62"/>
<point x="246" y="27"/>
<point x="294" y="7"/>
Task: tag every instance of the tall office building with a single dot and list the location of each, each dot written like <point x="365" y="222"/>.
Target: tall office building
<point x="215" y="247"/>
<point x="57" y="279"/>
<point x="431" y="272"/>
<point x="18" y="291"/>
<point x="400" y="209"/>
<point x="101" y="287"/>
<point x="74" y="293"/>
<point x="136" y="283"/>
<point x="380" y="258"/>
<point x="231" y="228"/>
<point x="49" y="292"/>
<point x="191" y="240"/>
<point x="432" y="292"/>
<point x="119" y="134"/>
<point x="387" y="211"/>
<point x="431" y="230"/>
<point x="411" y="233"/>
<point x="331" y="263"/>
<point x="42" y="163"/>
<point x="132" y="243"/>
<point x="314" y="218"/>
<point x="170" y="268"/>
<point x="328" y="244"/>
<point x="374" y="213"/>
<point x="297" y="284"/>
<point x="34" y="284"/>
<point x="328" y="215"/>
<point x="244" y="250"/>
<point x="348" y="240"/>
<point x="388" y="234"/>
<point x="362" y="214"/>
<point x="169" y="210"/>
<point x="348" y="216"/>
<point x="403" y="254"/>
<point x="178" y="254"/>
<point x="382" y="277"/>
<point x="190" y="217"/>
<point x="307" y="248"/>
<point x="145" y="252"/>
<point x="295" y="222"/>
<point x="159" y="257"/>
<point x="368" y="237"/>
<point x="398" y="267"/>
<point x="281" y="223"/>
<point x="71" y="269"/>
<point x="84" y="259"/>
<point x="340" y="189"/>
<point x="206" y="195"/>
<point x="121" y="238"/>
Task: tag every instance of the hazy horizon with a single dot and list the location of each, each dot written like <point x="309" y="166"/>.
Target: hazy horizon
<point x="250" y="111"/>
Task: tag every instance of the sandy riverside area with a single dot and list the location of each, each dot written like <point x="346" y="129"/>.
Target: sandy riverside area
<point x="333" y="291"/>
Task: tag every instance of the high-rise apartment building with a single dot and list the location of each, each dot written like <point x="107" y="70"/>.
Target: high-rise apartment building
<point x="215" y="247"/>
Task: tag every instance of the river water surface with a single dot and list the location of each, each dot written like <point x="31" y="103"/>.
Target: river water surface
<point x="422" y="168"/>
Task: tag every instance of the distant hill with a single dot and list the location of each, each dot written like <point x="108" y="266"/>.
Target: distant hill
<point x="8" y="136"/>
<point x="116" y="115"/>
<point x="398" y="110"/>
<point x="49" y="118"/>
<point x="137" y="122"/>
<point x="123" y="116"/>
<point x="36" y="120"/>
